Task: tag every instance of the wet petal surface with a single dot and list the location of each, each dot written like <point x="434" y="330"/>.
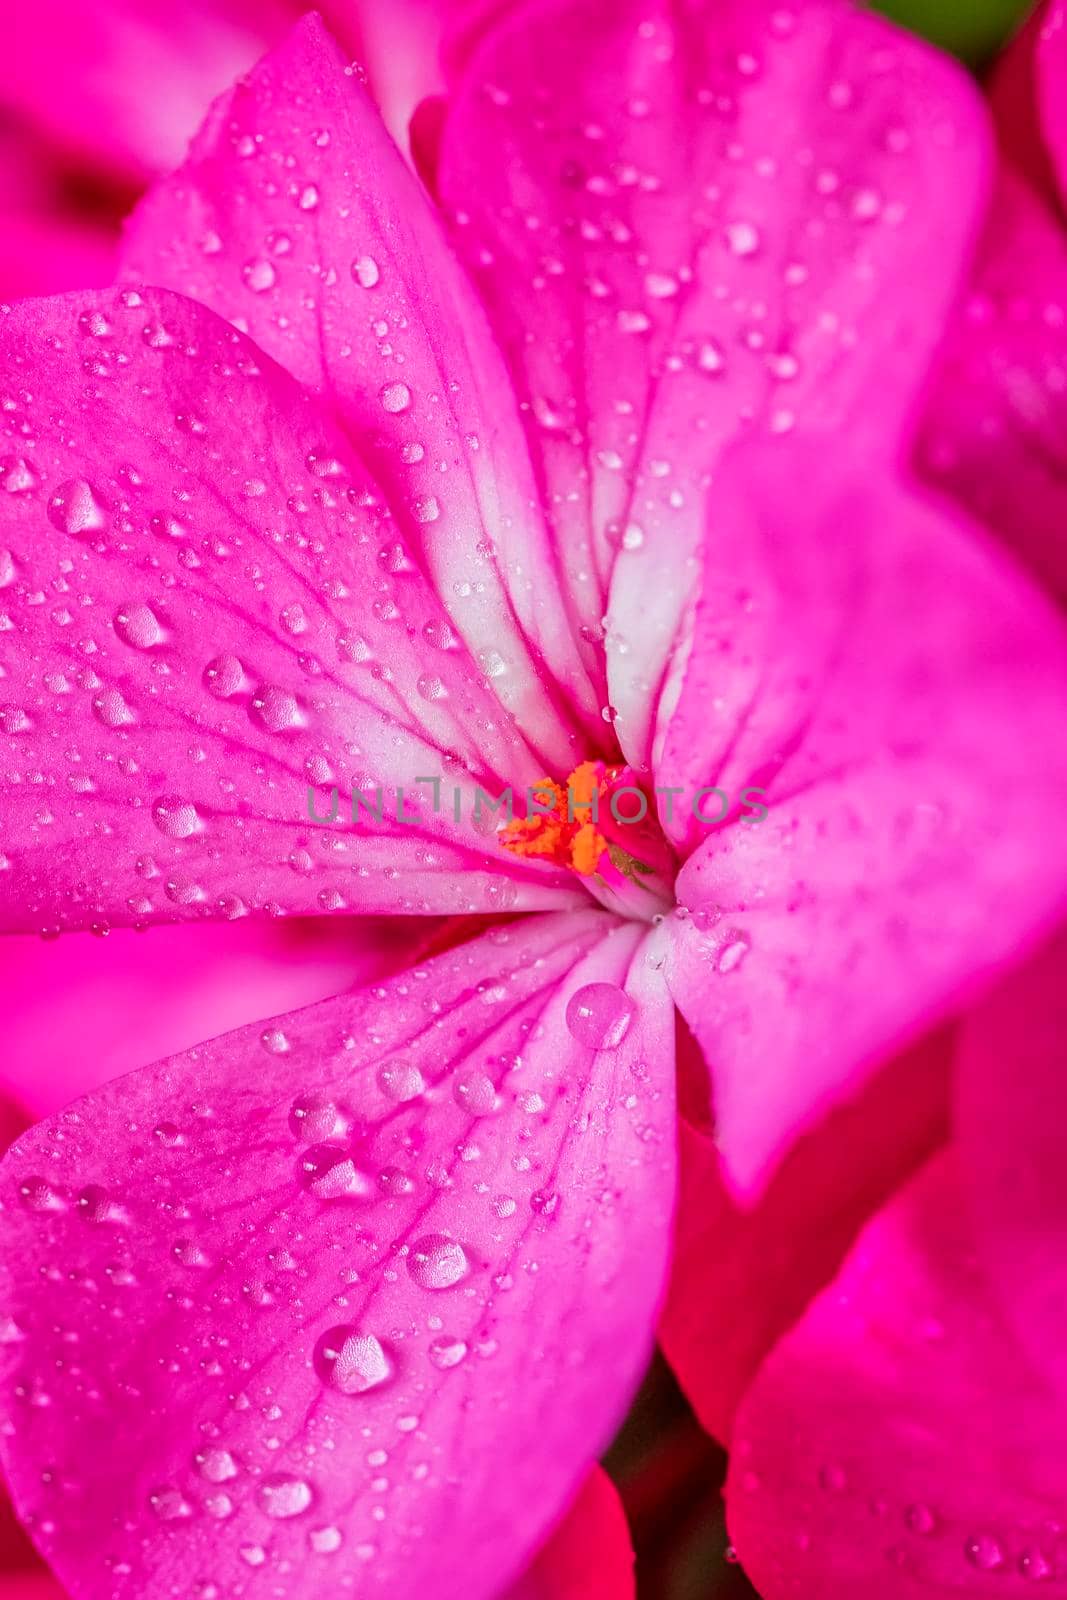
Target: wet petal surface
<point x="360" y="1294"/>
<point x="914" y="777"/>
<point x="696" y="221"/>
<point x="206" y="611"/>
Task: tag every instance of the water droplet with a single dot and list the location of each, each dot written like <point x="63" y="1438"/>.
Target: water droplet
<point x="224" y="676"/>
<point x="599" y="1015"/>
<point x="312" y="1118"/>
<point x="1036" y="1565"/>
<point x="216" y="1465"/>
<point x="742" y="238"/>
<point x="175" y="818"/>
<point x="400" y="1081"/>
<point x="18" y="476"/>
<point x="276" y="709"/>
<point x="447" y="1352"/>
<point x="283" y="1496"/>
<point x="983" y="1552"/>
<point x="111" y="709"/>
<point x="324" y="1541"/>
<point x="330" y="1173"/>
<point x="75" y="509"/>
<point x="437" y="1262"/>
<point x="259" y="275"/>
<point x="138" y="626"/>
<point x="426" y="509"/>
<point x="37" y="1194"/>
<point x="476" y="1093"/>
<point x="711" y="357"/>
<point x="169" y="1504"/>
<point x="352" y="1362"/>
<point x="395" y="397"/>
<point x="921" y="1520"/>
<point x="365" y="271"/>
<point x="733" y="950"/>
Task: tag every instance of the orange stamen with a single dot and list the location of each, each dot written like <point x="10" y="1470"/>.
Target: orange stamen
<point x="566" y="835"/>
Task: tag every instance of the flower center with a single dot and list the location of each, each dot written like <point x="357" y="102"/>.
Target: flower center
<point x="600" y="824"/>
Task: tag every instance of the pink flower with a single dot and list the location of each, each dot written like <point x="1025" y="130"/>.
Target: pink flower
<point x="95" y="101"/>
<point x="908" y="1434"/>
<point x="338" y="488"/>
<point x="996" y="425"/>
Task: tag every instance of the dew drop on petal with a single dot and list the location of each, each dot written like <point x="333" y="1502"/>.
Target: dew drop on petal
<point x="75" y="509"/>
<point x="395" y="397"/>
<point x="599" y="1015"/>
<point x="216" y="1465"/>
<point x="283" y="1496"/>
<point x="259" y="275"/>
<point x="312" y="1119"/>
<point x="447" y="1352"/>
<point x="400" y="1081"/>
<point x="175" y="818"/>
<point x="329" y="1172"/>
<point x="437" y="1262"/>
<point x="365" y="271"/>
<point x="983" y="1552"/>
<point x="352" y="1362"/>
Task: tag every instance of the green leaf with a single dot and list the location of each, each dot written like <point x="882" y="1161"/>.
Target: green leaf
<point x="974" y="30"/>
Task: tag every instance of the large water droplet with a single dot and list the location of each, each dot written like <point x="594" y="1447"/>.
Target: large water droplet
<point x="437" y="1262"/>
<point x="216" y="1465"/>
<point x="313" y="1118"/>
<point x="599" y="1015"/>
<point x="259" y="275"/>
<point x="984" y="1552"/>
<point x="174" y="817"/>
<point x="138" y="626"/>
<point x="281" y="1495"/>
<point x="75" y="509"/>
<point x="365" y="271"/>
<point x="352" y="1362"/>
<point x="400" y="1081"/>
<point x="329" y="1171"/>
<point x="395" y="397"/>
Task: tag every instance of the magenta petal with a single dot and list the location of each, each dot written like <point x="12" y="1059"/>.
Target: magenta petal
<point x="1028" y="95"/>
<point x="296" y="217"/>
<point x="915" y="778"/>
<point x="205" y="610"/>
<point x="123" y="82"/>
<point x="995" y="430"/>
<point x="741" y="1275"/>
<point x="1013" y="1133"/>
<point x="691" y="221"/>
<point x="896" y="1445"/>
<point x="589" y="1556"/>
<point x="365" y="1291"/>
<point x="80" y="1010"/>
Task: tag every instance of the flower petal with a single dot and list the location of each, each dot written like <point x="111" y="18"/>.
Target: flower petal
<point x="381" y="1288"/>
<point x="995" y="432"/>
<point x="1028" y="98"/>
<point x="1013" y="1134"/>
<point x="206" y="610"/>
<point x="296" y="217"/>
<point x="694" y="220"/>
<point x="125" y="82"/>
<point x="915" y="778"/>
<point x="896" y="1444"/>
<point x="589" y="1557"/>
<point x="741" y="1276"/>
<point x="80" y="1010"/>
